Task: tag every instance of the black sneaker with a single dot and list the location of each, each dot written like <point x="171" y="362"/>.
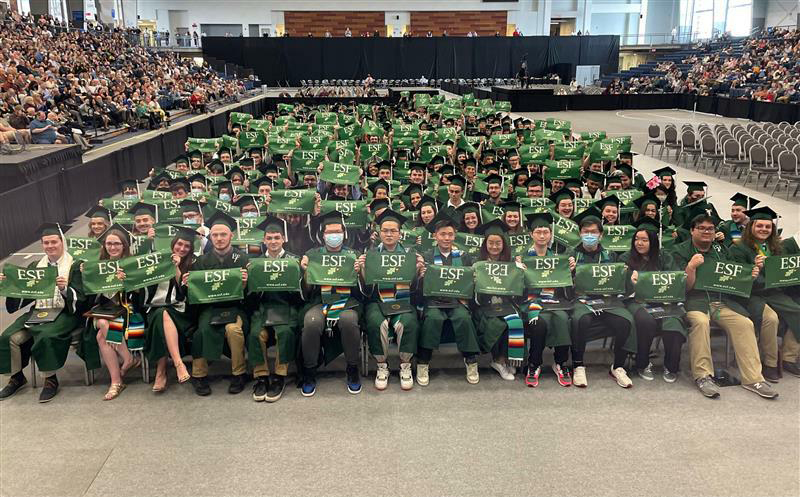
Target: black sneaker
<point x="237" y="384"/>
<point x="353" y="380"/>
<point x="14" y="384"/>
<point x="276" y="385"/>
<point x="201" y="386"/>
<point x="260" y="389"/>
<point x="49" y="390"/>
<point x="771" y="374"/>
<point x="793" y="368"/>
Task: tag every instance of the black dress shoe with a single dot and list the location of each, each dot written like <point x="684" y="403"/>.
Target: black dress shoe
<point x="260" y="388"/>
<point x="14" y="384"/>
<point x="50" y="389"/>
<point x="237" y="384"/>
<point x="201" y="387"/>
<point x="793" y="368"/>
<point x="770" y="374"/>
<point x="276" y="385"/>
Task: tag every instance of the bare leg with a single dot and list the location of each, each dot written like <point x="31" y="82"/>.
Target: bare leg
<point x="107" y="352"/>
<point x="171" y="336"/>
<point x="161" y="375"/>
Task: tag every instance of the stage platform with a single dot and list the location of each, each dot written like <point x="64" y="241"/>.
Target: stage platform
<point x="36" y="162"/>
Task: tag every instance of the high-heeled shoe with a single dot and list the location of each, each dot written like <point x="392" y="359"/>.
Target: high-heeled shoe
<point x="183" y="374"/>
<point x="157" y="388"/>
<point x="113" y="391"/>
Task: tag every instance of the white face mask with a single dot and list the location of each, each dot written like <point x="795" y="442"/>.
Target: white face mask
<point x="334" y="240"/>
<point x="225" y="197"/>
<point x="250" y="214"/>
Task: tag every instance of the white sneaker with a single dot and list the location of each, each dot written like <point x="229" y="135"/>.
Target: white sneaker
<point x="502" y="370"/>
<point x="422" y="374"/>
<point x="621" y="376"/>
<point x="406" y="380"/>
<point x="579" y="377"/>
<point x="472" y="372"/>
<point x="382" y="376"/>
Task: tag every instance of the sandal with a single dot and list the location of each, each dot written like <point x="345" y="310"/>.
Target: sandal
<point x="114" y="390"/>
<point x="183" y="374"/>
<point x="159" y="388"/>
<point x="137" y="361"/>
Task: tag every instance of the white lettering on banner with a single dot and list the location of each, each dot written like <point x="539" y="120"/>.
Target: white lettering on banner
<point x="603" y="271"/>
<point x="450" y="273"/>
<point x="660" y="279"/>
<point x="497" y="269"/>
<point x="215" y="276"/>
<point x="727" y="269"/>
<point x="294" y="193"/>
<point x="30" y="274"/>
<point x="276" y="266"/>
<point x="544" y="262"/>
<point x="473" y="241"/>
<point x="392" y="260"/>
<point x="83" y="243"/>
<point x="614" y="230"/>
<point x="148" y="260"/>
<point x="107" y="267"/>
<point x="517" y="240"/>
<point x="792" y="262"/>
<point x="333" y="260"/>
<point x="345" y="207"/>
<point x="340" y="168"/>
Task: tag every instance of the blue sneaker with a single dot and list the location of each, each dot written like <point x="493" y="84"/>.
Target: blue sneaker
<point x="309" y="385"/>
<point x="353" y="380"/>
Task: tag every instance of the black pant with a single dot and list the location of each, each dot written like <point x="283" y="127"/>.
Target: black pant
<point x="646" y="330"/>
<point x="537" y="333"/>
<point x="424" y="356"/>
<point x="619" y="328"/>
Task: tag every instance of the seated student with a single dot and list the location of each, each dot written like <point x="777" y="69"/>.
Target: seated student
<point x="760" y="240"/>
<point x="615" y="319"/>
<point x="379" y="319"/>
<point x="702" y="307"/>
<point x="331" y="315"/>
<point x="512" y="217"/>
<point x="471" y="217"/>
<point x="733" y="228"/>
<point x="99" y="221"/>
<point x="167" y="317"/>
<point x="496" y="316"/>
<point x="106" y="337"/>
<point x="609" y="210"/>
<point x="546" y="327"/>
<point x="220" y="323"/>
<point x="274" y="321"/>
<point x="129" y="189"/>
<point x="43" y="339"/>
<point x="437" y="310"/>
<point x="646" y="255"/>
<point x="144" y="220"/>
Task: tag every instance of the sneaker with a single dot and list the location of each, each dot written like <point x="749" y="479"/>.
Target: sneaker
<point x="382" y="376"/>
<point x="579" y="377"/>
<point x="669" y="376"/>
<point x="308" y="386"/>
<point x="511" y="369"/>
<point x="14" y="384"/>
<point x="406" y="379"/>
<point x="647" y="373"/>
<point x="50" y="389"/>
<point x="201" y="386"/>
<point x="423" y="372"/>
<point x="707" y="387"/>
<point x="260" y="389"/>
<point x="472" y="372"/>
<point x="275" y="390"/>
<point x="793" y="368"/>
<point x="770" y="374"/>
<point x="353" y="380"/>
<point x="762" y="389"/>
<point x="532" y="378"/>
<point x="621" y="376"/>
<point x="562" y="375"/>
<point x="238" y="381"/>
<point x="501" y="369"/>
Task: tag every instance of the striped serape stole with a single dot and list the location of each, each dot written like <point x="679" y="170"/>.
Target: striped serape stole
<point x="334" y="300"/>
<point x="516" y="339"/>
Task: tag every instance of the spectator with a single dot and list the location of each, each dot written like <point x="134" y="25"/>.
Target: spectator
<point x="43" y="130"/>
<point x="348" y="33"/>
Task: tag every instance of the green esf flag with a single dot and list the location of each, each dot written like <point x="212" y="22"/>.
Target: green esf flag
<point x="566" y="232"/>
<point x="469" y="243"/>
<point x="101" y="277"/>
<point x="617" y="238"/>
<point x="29" y="283"/>
<point x="340" y="174"/>
<point x="146" y="269"/>
<point x="389" y="267"/>
<point x="547" y="271"/>
<point x="117" y="204"/>
<point x="661" y="286"/>
<point x="519" y="243"/>
<point x="334" y="268"/>
<point x="165" y="233"/>
<point x="504" y="141"/>
<point x="292" y="201"/>
<point x="266" y="274"/>
<point x="562" y="169"/>
<point x="498" y="278"/>
<point x="306" y="160"/>
<point x="215" y="285"/>
<point x="83" y="248"/>
<point x="600" y="279"/>
<point x="781" y="271"/>
<point x="355" y="211"/>
<point x="731" y="278"/>
<point x="448" y="281"/>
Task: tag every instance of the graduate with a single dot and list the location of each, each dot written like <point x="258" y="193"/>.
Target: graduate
<point x="99" y="221"/>
<point x="733" y="228"/>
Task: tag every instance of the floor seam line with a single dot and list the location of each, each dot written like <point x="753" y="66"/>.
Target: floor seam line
<point x="98" y="471"/>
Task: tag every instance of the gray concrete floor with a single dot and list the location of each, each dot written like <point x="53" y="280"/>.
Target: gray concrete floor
<point x="450" y="438"/>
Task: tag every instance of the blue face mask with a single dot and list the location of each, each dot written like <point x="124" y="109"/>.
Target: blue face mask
<point x="225" y="197"/>
<point x="590" y="239"/>
<point x="249" y="214"/>
<point x="334" y="240"/>
<point x="191" y="220"/>
<point x="131" y="196"/>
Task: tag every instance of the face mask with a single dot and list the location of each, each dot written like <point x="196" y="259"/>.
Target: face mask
<point x="661" y="199"/>
<point x="191" y="220"/>
<point x="130" y="196"/>
<point x="249" y="214"/>
<point x="197" y="190"/>
<point x="334" y="239"/>
<point x="590" y="240"/>
<point x="225" y="197"/>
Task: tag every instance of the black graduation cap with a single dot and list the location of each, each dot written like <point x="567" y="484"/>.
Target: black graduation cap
<point x="412" y="188"/>
<point x="273" y="224"/>
<point x="179" y="183"/>
<point x="158" y="178"/>
<point x="216" y="167"/>
<point x="390" y="215"/>
<point x="419" y="166"/>
<point x="442" y="219"/>
<point x="141" y="208"/>
<point x="332" y="217"/>
<point x="47" y="229"/>
<point x="268" y="168"/>
<point x="128" y="183"/>
<point x="187" y="233"/>
<point x="539" y="219"/>
<point x="626" y="170"/>
<point x="693" y="186"/>
<point x="234" y="170"/>
<point x="99" y="211"/>
<point x="534" y="180"/>
<point x="264" y="180"/>
<point x="381" y="183"/>
<point x="648" y="224"/>
<point x="222" y="218"/>
<point x="597" y="176"/>
<point x="118" y="229"/>
<point x="189" y="205"/>
<point x="182" y="158"/>
<point x="197" y="177"/>
<point x="762" y="213"/>
<point x="428" y="200"/>
<point x="743" y="200"/>
<point x="665" y="171"/>
<point x="493" y="179"/>
<point x="246" y="162"/>
<point x="589" y="214"/>
<point x="510" y="206"/>
<point x="458" y="180"/>
<point x="609" y="200"/>
<point x="650" y="198"/>
<point x="493" y="227"/>
<point x="255" y="151"/>
<point x="378" y="203"/>
<point x="246" y="200"/>
<point x="561" y="194"/>
<point x="436" y="159"/>
<point x="613" y="178"/>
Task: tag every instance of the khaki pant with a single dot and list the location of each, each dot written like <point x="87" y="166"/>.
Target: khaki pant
<point x="791" y="348"/>
<point x="263" y="369"/>
<point x="768" y="337"/>
<point x="741" y="334"/>
<point x="15" y="342"/>
<point x="234" y="335"/>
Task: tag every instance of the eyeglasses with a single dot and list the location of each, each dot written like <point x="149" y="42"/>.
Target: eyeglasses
<point x="706" y="229"/>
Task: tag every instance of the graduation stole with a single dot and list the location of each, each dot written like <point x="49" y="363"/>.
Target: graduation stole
<point x="454" y="253"/>
<point x="763" y="249"/>
<point x="535" y="295"/>
<point x="336" y="298"/>
<point x="516" y="339"/>
<point x="736" y="233"/>
<point x="127" y="328"/>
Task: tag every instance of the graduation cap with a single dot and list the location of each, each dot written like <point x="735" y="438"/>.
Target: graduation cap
<point x="603" y="202"/>
<point x="695" y="186"/>
<point x="246" y="162"/>
<point x="573" y="183"/>
<point x="539" y="220"/>
<point x="417" y="166"/>
<point x="762" y="213"/>
<point x="332" y="217"/>
<point x="264" y="180"/>
<point x="247" y="200"/>
<point x="534" y="180"/>
<point x="493" y="227"/>
<point x="562" y="194"/>
<point x="743" y="200"/>
<point x="381" y="183"/>
<point x="117" y="229"/>
<point x="48" y="229"/>
<point x="158" y="178"/>
<point x="255" y="151"/>
<point x="179" y="183"/>
<point x="196" y="154"/>
<point x="99" y="211"/>
<point x="141" y="209"/>
<point x="494" y="179"/>
<point x="182" y="159"/>
<point x="273" y="224"/>
<point x="650" y="198"/>
<point x="129" y="183"/>
<point x="510" y="206"/>
<point x="448" y="141"/>
<point x="665" y="171"/>
<point x="216" y="167"/>
<point x="441" y="220"/>
<point x="457" y="179"/>
<point x="470" y="207"/>
<point x="648" y="224"/>
<point x="626" y="170"/>
<point x="470" y="161"/>
<point x="189" y="205"/>
<point x="412" y="188"/>
<point x="597" y="177"/>
<point x="613" y="179"/>
<point x="428" y="200"/>
<point x="378" y="203"/>
<point x="390" y="215"/>
<point x="234" y="170"/>
<point x="187" y="233"/>
<point x="222" y="218"/>
<point x="590" y="214"/>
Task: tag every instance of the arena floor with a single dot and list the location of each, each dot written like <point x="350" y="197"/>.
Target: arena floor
<point x="450" y="438"/>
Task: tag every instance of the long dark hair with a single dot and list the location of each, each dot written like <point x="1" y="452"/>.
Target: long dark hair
<point x="126" y="246"/>
<point x="505" y="255"/>
<point x="186" y="261"/>
<point x="773" y="241"/>
<point x="637" y="262"/>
